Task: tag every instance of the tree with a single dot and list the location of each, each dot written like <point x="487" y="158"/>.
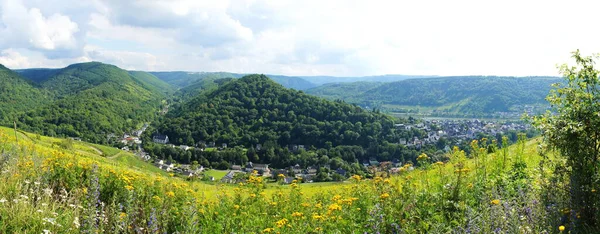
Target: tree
<point x="573" y="130"/>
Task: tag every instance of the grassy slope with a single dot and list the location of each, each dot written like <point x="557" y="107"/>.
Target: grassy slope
<point x="411" y="192"/>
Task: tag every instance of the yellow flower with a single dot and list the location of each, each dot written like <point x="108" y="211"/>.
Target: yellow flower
<point x="318" y="229"/>
<point x="384" y="195"/>
<point x="236" y="207"/>
<point x="334" y="207"/>
<point x="122" y="215"/>
<point x="170" y="194"/>
<point x="356" y="177"/>
<point x="252" y="195"/>
<point x="386" y="181"/>
<point x="297" y="214"/>
<point x="156" y="198"/>
<point x="129" y="187"/>
<point x="268" y="230"/>
<point x="561" y="228"/>
<point x="281" y="222"/>
<point x="495" y="202"/>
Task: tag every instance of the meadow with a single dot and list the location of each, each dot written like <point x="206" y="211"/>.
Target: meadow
<point x="50" y="185"/>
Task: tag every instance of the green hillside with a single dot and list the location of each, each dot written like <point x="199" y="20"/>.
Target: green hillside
<point x="88" y="100"/>
<point x="184" y="79"/>
<point x="255" y="110"/>
<point x="152" y="82"/>
<point x="18" y="94"/>
<point x="466" y="95"/>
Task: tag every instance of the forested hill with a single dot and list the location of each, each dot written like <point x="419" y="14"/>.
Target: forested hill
<point x="468" y="95"/>
<point x="18" y="94"/>
<point x="255" y="110"/>
<point x="184" y="79"/>
<point x="87" y="100"/>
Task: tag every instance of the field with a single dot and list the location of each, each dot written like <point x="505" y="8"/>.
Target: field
<point x="47" y="185"/>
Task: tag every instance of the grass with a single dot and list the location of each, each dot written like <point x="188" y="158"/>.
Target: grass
<point x="43" y="185"/>
<point x="217" y="174"/>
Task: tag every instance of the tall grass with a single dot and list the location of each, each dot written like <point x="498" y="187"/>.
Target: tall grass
<point x="45" y="189"/>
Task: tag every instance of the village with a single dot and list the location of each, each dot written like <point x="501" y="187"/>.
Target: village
<point x="428" y="132"/>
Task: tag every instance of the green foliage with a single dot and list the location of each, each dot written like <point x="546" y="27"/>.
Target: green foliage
<point x="88" y="100"/>
<point x="185" y="79"/>
<point x="18" y="94"/>
<point x="469" y="96"/>
<point x="255" y="110"/>
<point x="573" y="130"/>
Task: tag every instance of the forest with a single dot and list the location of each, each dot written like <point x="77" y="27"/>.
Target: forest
<point x="87" y="100"/>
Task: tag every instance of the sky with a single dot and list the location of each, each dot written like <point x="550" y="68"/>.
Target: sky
<point x="301" y="38"/>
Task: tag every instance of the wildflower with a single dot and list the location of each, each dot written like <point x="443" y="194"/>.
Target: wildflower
<point x="122" y="215"/>
<point x="422" y="156"/>
<point x="334" y="207"/>
<point x="268" y="230"/>
<point x="318" y="229"/>
<point x="156" y="198"/>
<point x="129" y="187"/>
<point x="439" y="163"/>
<point x="593" y="190"/>
<point x="495" y="202"/>
<point x="2" y="200"/>
<point x="236" y="207"/>
<point x="356" y="177"/>
<point x="297" y="214"/>
<point x="281" y="222"/>
<point x="76" y="222"/>
<point x="561" y="228"/>
<point x="170" y="194"/>
<point x="386" y="181"/>
<point x="384" y="195"/>
<point x="252" y="195"/>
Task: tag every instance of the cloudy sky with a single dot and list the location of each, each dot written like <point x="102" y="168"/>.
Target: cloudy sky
<point x="304" y="37"/>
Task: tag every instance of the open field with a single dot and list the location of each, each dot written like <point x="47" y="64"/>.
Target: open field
<point x="125" y="194"/>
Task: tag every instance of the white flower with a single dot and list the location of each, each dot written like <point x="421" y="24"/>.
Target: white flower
<point x="48" y="191"/>
<point x="24" y="197"/>
<point x="2" y="200"/>
<point x="47" y="231"/>
<point x="76" y="222"/>
<point x="44" y="204"/>
<point x="36" y="183"/>
<point x="27" y="181"/>
<point x="49" y="220"/>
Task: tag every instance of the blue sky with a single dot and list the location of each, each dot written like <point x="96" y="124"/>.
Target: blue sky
<point x="326" y="37"/>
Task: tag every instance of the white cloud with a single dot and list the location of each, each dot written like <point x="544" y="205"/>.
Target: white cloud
<point x="29" y="28"/>
<point x="337" y="37"/>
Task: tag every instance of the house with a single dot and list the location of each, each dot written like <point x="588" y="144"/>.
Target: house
<point x="262" y="167"/>
<point x="373" y="162"/>
<point x="184" y="147"/>
<point x="228" y="178"/>
<point x="187" y="173"/>
<point x="288" y="180"/>
<point x="161" y="139"/>
<point x="341" y="171"/>
<point x="258" y="147"/>
<point x="236" y="167"/>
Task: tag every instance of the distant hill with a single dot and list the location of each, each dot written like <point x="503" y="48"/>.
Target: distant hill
<point x="183" y="79"/>
<point x="320" y="80"/>
<point x="87" y="100"/>
<point x="467" y="95"/>
<point x="255" y="110"/>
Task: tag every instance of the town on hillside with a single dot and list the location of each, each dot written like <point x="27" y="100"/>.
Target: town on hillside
<point x="421" y="133"/>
